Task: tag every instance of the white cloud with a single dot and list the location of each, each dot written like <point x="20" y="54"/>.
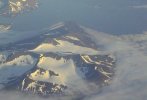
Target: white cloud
<point x="140" y="7"/>
<point x="130" y="80"/>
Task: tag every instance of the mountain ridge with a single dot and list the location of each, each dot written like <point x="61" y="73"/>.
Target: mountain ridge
<point x="56" y="58"/>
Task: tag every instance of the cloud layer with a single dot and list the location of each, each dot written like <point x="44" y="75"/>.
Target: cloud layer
<point x="130" y="80"/>
<point x="140" y="7"/>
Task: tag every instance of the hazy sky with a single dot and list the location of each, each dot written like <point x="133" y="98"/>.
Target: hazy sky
<point x="107" y="16"/>
<point x="110" y="16"/>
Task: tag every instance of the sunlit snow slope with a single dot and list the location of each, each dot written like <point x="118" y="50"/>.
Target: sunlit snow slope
<point x="55" y="62"/>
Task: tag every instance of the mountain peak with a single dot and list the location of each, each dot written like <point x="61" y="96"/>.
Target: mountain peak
<point x="67" y="26"/>
<point x="55" y="62"/>
<point x="14" y="7"/>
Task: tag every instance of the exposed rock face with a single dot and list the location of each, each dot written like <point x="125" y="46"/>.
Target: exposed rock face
<point x="54" y="62"/>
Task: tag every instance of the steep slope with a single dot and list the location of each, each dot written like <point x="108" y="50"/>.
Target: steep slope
<point x="55" y="62"/>
<point x="57" y="73"/>
<point x="14" y="66"/>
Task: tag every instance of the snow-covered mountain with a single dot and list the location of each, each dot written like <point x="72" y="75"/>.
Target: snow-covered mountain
<point x="55" y="62"/>
<point x="13" y="7"/>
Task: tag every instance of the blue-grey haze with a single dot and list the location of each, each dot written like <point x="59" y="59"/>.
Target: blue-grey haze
<point x="110" y="16"/>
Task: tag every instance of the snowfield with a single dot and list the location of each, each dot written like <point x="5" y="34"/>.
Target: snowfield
<point x="14" y="69"/>
<point x="64" y="47"/>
